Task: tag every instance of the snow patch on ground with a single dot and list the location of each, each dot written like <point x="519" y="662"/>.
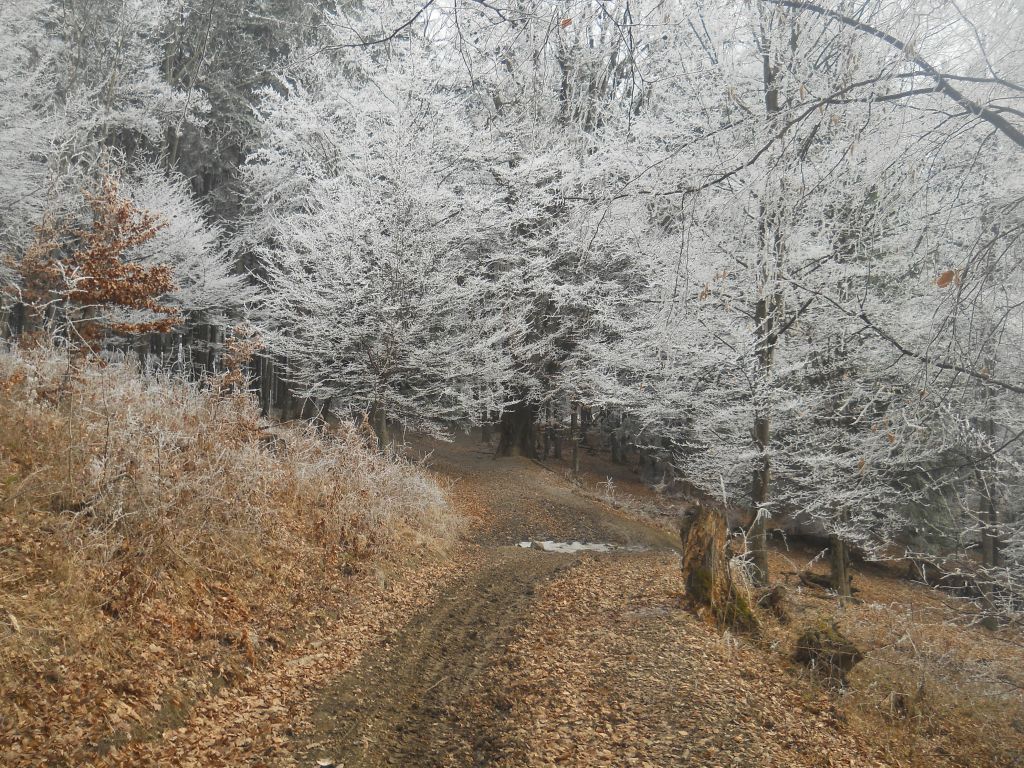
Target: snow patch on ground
<point x="570" y="547"/>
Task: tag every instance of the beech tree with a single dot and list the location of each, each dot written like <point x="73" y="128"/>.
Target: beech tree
<point x="207" y="287"/>
<point x="384" y="290"/>
<point x="827" y="250"/>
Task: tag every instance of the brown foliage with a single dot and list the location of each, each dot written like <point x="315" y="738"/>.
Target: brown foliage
<point x="240" y="346"/>
<point x="95" y="274"/>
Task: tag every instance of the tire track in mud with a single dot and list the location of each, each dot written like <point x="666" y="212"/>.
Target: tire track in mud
<point x="424" y="699"/>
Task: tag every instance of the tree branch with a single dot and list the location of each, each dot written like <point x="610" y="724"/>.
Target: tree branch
<point x="942" y="82"/>
<point x="386" y="38"/>
<point x="870" y="325"/>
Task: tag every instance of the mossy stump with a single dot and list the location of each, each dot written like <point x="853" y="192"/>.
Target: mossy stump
<point x="710" y="586"/>
<point x="827" y="651"/>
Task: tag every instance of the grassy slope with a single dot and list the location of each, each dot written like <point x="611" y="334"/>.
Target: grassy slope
<point x="160" y="542"/>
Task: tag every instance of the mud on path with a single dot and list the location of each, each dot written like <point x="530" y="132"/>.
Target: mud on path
<point x="425" y="698"/>
<point x="430" y="695"/>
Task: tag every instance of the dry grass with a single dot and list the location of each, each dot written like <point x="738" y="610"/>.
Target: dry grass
<point x="160" y="541"/>
<point x="933" y="689"/>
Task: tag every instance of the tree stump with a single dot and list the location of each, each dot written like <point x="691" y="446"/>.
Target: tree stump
<point x="710" y="587"/>
<point x="828" y="651"/>
<point x="774" y="600"/>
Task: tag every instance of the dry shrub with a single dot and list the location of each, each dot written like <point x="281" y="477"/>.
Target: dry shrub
<point x="160" y="540"/>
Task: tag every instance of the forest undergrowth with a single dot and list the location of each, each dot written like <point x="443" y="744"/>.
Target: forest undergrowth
<point x="933" y="687"/>
<point x="161" y="541"/>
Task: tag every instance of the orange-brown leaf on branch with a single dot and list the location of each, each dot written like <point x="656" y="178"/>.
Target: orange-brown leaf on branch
<point x="564" y="23"/>
<point x="96" y="273"/>
<point x="948" y="277"/>
<point x="240" y="346"/>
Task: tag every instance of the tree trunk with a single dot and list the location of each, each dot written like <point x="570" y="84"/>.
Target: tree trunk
<point x="379" y="423"/>
<point x="16" y="321"/>
<point x="710" y="587"/>
<point x="760" y="494"/>
<point x="990" y="555"/>
<point x="840" y="562"/>
<point x="266" y="369"/>
<point x="485" y="428"/>
<point x="574" y="436"/>
<point x="989" y="510"/>
<point x="615" y="445"/>
<point x="211" y="349"/>
<point x="765" y="335"/>
<point x="586" y="420"/>
<point x="547" y="435"/>
<point x="516" y="431"/>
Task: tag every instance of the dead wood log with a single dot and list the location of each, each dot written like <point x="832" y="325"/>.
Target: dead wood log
<point x="814" y="580"/>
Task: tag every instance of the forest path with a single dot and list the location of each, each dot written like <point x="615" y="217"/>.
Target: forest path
<point x="543" y="658"/>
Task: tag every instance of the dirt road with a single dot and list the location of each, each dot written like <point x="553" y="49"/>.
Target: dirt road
<point x="544" y="658"/>
<point x="429" y="697"/>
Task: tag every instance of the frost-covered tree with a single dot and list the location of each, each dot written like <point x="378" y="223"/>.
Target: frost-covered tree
<point x="773" y="245"/>
<point x="560" y="88"/>
<point x="219" y="55"/>
<point x="26" y="125"/>
<point x="92" y="95"/>
<point x="207" y="287"/>
<point x="377" y="235"/>
<point x="790" y="228"/>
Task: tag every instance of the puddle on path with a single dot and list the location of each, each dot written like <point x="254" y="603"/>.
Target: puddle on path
<point x="570" y="547"/>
